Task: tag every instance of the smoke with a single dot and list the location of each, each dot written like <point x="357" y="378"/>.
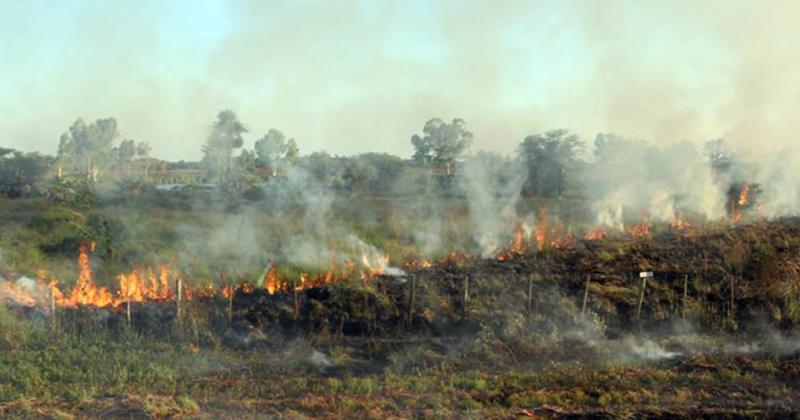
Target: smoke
<point x="649" y="350"/>
<point x="492" y="204"/>
<point x="633" y="180"/>
<point x="359" y="76"/>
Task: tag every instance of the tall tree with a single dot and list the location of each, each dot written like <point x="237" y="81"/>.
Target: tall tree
<point x="86" y="148"/>
<point x="128" y="153"/>
<point x="225" y="137"/>
<point x="274" y="151"/>
<point x="143" y="153"/>
<point x="124" y="155"/>
<point x="441" y="144"/>
<point x="549" y="157"/>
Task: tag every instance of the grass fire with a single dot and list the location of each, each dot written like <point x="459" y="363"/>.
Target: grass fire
<point x="399" y="210"/>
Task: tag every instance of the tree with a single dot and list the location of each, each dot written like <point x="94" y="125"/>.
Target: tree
<point x="613" y="148"/>
<point x="274" y="151"/>
<point x="225" y="137"/>
<point x="124" y="154"/>
<point x="20" y="171"/>
<point x="143" y="153"/>
<point x="128" y="153"/>
<point x="358" y="175"/>
<point x="441" y="144"/>
<point x="549" y="157"/>
<point x="720" y="156"/>
<point x="246" y="165"/>
<point x="86" y="148"/>
<point x="322" y="167"/>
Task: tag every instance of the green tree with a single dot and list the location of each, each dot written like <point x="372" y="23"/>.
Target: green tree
<point x="19" y="171"/>
<point x="441" y="144"/>
<point x="358" y="175"/>
<point x="86" y="148"/>
<point x="225" y="137"/>
<point x="124" y="155"/>
<point x="274" y="151"/>
<point x="143" y="154"/>
<point x="549" y="157"/>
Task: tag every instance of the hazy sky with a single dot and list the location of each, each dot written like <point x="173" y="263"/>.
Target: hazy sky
<point x="352" y="77"/>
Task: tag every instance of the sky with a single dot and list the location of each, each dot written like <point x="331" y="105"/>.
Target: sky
<point x="363" y="76"/>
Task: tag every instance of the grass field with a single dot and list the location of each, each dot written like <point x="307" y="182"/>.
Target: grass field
<point x="520" y="347"/>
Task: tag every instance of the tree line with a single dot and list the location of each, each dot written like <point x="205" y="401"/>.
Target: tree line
<point x="552" y="162"/>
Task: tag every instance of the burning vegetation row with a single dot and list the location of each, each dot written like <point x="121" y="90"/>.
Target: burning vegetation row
<point x="721" y="276"/>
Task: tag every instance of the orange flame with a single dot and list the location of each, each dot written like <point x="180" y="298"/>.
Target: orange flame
<point x="541" y="229"/>
<point x="744" y="194"/>
<point x="272" y="280"/>
<point x="594" y="235"/>
<point x="641" y="230"/>
<point x="85" y="291"/>
<point x="518" y="242"/>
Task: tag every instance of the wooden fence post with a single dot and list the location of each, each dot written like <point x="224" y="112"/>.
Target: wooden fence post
<point x="230" y="301"/>
<point x="53" y="306"/>
<point x="296" y="299"/>
<point x="128" y="304"/>
<point x="732" y="305"/>
<point x="412" y="300"/>
<point x="585" y="296"/>
<point x="466" y="295"/>
<point x="530" y="294"/>
<point x="685" y="295"/>
<point x="643" y="287"/>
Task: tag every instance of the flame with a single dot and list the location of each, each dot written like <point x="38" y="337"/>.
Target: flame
<point x="741" y="201"/>
<point x="17" y="294"/>
<point x="85" y="291"/>
<point x="641" y="230"/>
<point x="329" y="277"/>
<point x="541" y="229"/>
<point x="272" y="280"/>
<point x="563" y="242"/>
<point x="303" y="281"/>
<point x="594" y="235"/>
<point x="518" y="242"/>
<point x="744" y="195"/>
<point x="679" y="223"/>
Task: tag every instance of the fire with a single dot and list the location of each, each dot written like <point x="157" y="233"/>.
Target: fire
<point x="541" y="229"/>
<point x="15" y="293"/>
<point x="272" y="283"/>
<point x="742" y="200"/>
<point x="148" y="285"/>
<point x="596" y="234"/>
<point x="85" y="291"/>
<point x="563" y="242"/>
<point x="143" y="285"/>
<point x="518" y="242"/>
<point x="744" y="195"/>
<point x="329" y="276"/>
<point x="641" y="230"/>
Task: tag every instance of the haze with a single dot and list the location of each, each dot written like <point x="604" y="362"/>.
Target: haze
<point x="352" y="77"/>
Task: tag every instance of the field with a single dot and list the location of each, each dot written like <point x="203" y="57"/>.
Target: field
<point x="562" y="331"/>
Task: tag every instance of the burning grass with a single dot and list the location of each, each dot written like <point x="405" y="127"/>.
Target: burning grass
<point x="452" y="336"/>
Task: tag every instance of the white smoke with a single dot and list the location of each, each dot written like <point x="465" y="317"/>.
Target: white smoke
<point x="633" y="180"/>
<point x="492" y="205"/>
